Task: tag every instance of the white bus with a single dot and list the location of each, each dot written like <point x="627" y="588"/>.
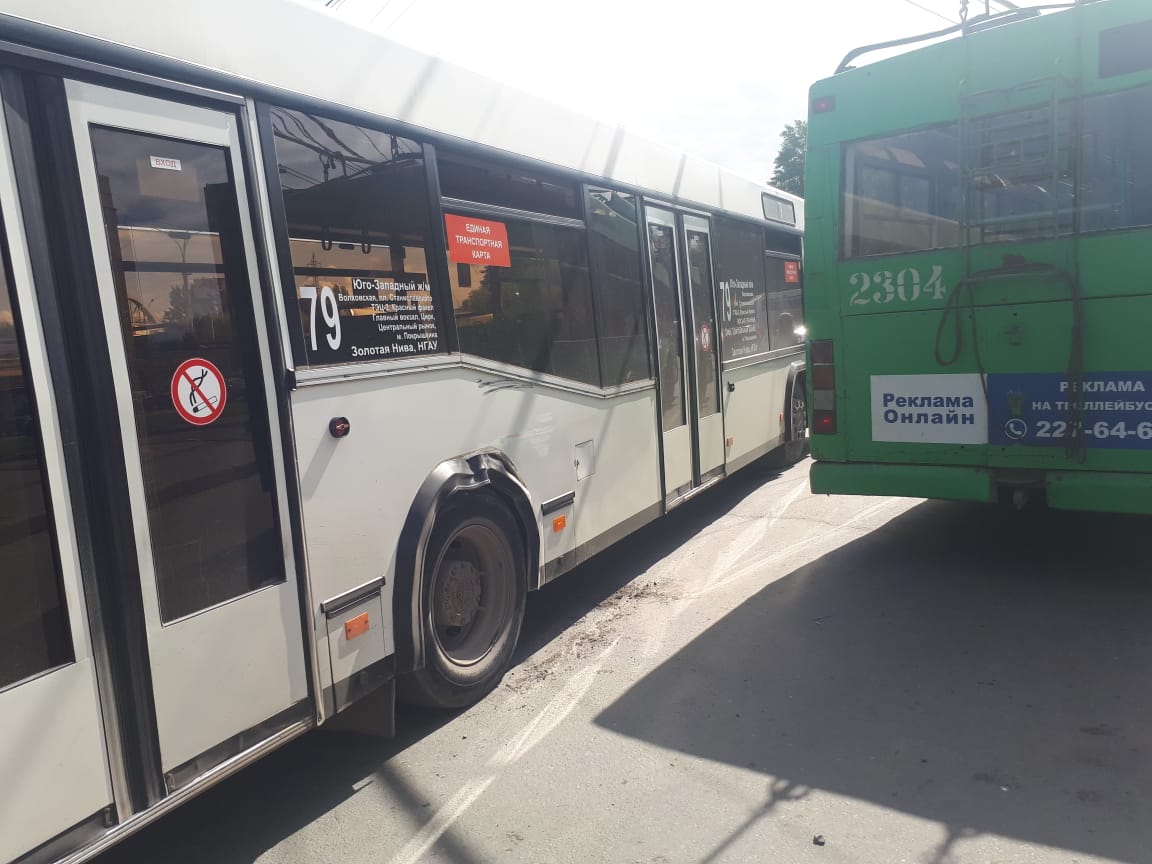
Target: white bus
<point x="316" y="355"/>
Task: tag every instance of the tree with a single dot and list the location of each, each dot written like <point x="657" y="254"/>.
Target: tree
<point x="789" y="173"/>
<point x="192" y="302"/>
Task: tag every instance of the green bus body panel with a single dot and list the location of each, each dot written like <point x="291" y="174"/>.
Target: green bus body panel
<point x="1110" y="493"/>
<point x="1013" y="304"/>
<point x="1066" y="490"/>
<point x="906" y="481"/>
<point x="1013" y="338"/>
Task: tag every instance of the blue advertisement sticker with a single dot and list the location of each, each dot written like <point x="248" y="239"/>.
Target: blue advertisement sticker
<point x="1033" y="408"/>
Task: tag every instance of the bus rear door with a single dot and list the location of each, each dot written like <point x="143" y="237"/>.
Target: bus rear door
<point x="680" y="260"/>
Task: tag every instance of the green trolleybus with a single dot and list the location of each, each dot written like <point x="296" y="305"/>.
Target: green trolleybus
<point x="979" y="263"/>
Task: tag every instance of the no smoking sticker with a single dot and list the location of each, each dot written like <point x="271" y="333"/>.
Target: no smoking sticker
<point x="198" y="391"/>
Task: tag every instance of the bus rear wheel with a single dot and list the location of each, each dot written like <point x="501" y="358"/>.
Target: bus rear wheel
<point x="472" y="604"/>
<point x="796" y="448"/>
<point x="795" y="445"/>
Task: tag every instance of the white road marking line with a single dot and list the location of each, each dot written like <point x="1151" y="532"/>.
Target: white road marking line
<point x="552" y="714"/>
<point x="752" y="534"/>
<point x="442" y="820"/>
<point x="755" y="527"/>
<point x="831" y="535"/>
<point x="546" y="720"/>
<point x="782" y="508"/>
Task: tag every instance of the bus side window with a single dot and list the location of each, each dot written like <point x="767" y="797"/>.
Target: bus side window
<point x="785" y="303"/>
<point x="534" y="308"/>
<point x="741" y="295"/>
<point x="34" y="629"/>
<point x="615" y="258"/>
<point x="359" y="228"/>
<point x="522" y="293"/>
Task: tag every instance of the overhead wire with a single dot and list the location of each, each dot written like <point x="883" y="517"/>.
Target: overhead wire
<point x="406" y="10"/>
<point x="930" y="11"/>
<point x="380" y="11"/>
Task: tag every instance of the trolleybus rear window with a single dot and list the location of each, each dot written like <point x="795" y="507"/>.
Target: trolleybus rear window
<point x="1116" y="166"/>
<point x="901" y="194"/>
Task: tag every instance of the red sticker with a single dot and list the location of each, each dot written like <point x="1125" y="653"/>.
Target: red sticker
<point x="791" y="271"/>
<point x="477" y="241"/>
<point x="198" y="391"/>
<point x="705" y="338"/>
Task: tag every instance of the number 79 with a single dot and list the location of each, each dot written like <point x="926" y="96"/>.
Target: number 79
<point x="328" y="309"/>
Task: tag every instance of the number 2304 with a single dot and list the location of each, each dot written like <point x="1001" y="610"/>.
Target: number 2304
<point x="905" y="286"/>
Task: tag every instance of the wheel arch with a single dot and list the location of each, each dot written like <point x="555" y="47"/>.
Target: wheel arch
<point x="797" y="375"/>
<point x="490" y="470"/>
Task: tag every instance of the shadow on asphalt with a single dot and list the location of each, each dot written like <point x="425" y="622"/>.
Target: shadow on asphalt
<point x="982" y="669"/>
<point x="250" y="813"/>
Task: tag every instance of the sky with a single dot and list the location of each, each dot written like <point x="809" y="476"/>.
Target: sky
<point x="716" y="78"/>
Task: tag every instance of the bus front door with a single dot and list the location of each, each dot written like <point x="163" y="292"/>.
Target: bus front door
<point x="168" y="216"/>
<point x="691" y="422"/>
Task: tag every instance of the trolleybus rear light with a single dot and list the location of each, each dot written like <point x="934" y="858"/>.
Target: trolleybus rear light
<point x="823" y="380"/>
<point x="823" y="105"/>
<point x="823" y="377"/>
<point x="822" y="352"/>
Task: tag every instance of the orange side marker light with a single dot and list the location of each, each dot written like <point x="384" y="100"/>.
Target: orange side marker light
<point x="357" y="626"/>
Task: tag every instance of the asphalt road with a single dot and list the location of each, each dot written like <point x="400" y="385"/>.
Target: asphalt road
<point x="763" y="676"/>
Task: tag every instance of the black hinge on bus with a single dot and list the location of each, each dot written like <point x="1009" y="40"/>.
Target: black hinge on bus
<point x="289" y="379"/>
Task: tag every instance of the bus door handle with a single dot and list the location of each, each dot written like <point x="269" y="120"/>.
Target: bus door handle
<point x="731" y="386"/>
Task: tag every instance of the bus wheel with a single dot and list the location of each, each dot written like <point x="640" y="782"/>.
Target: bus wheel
<point x="796" y="447"/>
<point x="475" y="585"/>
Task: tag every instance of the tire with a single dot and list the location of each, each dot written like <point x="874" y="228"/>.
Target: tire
<point x="795" y="447"/>
<point x="472" y="602"/>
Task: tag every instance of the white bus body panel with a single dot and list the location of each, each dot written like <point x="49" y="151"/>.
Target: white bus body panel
<point x="626" y="470"/>
<point x="51" y="750"/>
<point x="357" y="490"/>
<point x="711" y="442"/>
<point x="753" y="410"/>
<point x="677" y="458"/>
